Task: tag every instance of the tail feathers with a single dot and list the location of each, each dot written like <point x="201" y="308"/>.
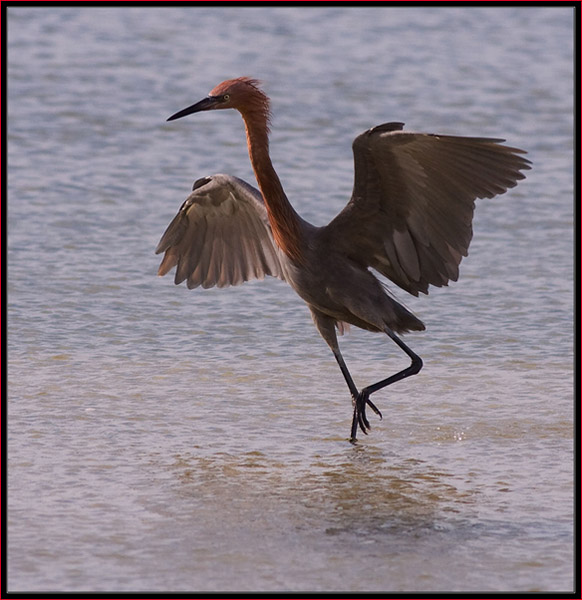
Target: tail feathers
<point x="403" y="320"/>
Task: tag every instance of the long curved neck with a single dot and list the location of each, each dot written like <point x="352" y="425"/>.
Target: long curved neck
<point x="285" y="222"/>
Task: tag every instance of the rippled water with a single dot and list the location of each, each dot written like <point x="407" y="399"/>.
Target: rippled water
<point x="161" y="439"/>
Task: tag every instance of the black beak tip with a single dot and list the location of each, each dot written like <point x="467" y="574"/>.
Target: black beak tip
<point x="179" y="114"/>
<point x="207" y="103"/>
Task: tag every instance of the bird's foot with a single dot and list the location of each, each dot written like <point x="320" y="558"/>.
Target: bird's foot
<point x="360" y="418"/>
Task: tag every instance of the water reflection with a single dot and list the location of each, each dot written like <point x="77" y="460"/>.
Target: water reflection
<point x="356" y="492"/>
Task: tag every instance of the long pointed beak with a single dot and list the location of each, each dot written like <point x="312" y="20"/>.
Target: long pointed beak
<point x="207" y="103"/>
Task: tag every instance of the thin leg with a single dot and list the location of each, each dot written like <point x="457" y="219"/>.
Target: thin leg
<point x="363" y="397"/>
<point x="413" y="369"/>
<point x="326" y="326"/>
<point x="346" y="373"/>
<point x="361" y="414"/>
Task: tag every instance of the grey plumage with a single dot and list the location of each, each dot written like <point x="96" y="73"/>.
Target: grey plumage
<point x="409" y="218"/>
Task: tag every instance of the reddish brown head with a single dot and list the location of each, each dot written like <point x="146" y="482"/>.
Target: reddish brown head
<point x="245" y="95"/>
<point x="242" y="94"/>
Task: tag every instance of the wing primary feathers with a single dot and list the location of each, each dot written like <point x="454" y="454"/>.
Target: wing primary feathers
<point x="221" y="236"/>
<point x="411" y="211"/>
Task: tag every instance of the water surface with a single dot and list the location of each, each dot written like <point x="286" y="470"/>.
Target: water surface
<point x="161" y="439"/>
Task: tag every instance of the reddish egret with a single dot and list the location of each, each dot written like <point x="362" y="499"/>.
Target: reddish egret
<point x="409" y="218"/>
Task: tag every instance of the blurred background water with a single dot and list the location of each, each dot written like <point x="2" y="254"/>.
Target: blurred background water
<point x="161" y="439"/>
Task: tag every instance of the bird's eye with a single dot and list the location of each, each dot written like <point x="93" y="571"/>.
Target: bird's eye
<point x="226" y="98"/>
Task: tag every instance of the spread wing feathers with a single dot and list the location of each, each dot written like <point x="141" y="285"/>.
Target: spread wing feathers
<point x="221" y="236"/>
<point x="412" y="204"/>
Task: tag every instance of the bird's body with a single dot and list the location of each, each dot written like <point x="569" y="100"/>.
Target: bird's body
<point x="409" y="218"/>
<point x="328" y="281"/>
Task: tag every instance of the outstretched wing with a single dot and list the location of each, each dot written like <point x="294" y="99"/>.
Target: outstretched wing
<point x="413" y="199"/>
<point x="221" y="236"/>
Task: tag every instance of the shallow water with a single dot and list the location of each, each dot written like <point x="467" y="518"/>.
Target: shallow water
<point x="161" y="439"/>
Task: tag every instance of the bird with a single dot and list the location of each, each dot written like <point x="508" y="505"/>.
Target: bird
<point x="409" y="220"/>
